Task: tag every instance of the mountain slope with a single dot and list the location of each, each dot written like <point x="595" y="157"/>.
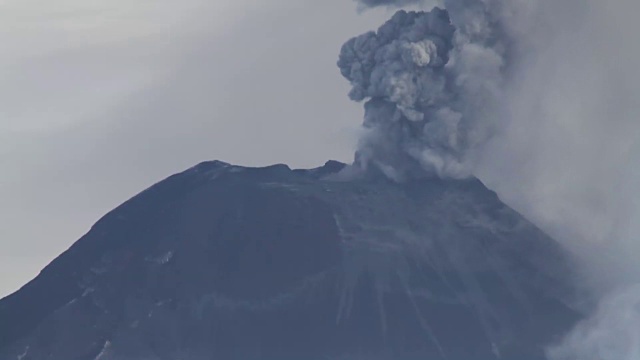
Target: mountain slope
<point x="228" y="262"/>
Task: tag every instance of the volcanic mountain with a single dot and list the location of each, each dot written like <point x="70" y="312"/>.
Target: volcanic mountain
<point x="235" y="263"/>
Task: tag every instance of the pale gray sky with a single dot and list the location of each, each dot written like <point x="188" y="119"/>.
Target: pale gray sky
<point x="100" y="99"/>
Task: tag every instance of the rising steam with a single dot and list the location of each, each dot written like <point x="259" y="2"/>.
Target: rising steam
<point x="538" y="98"/>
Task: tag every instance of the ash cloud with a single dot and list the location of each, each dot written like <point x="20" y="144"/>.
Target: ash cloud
<point x="541" y="104"/>
<point x="431" y="81"/>
<point x="400" y="71"/>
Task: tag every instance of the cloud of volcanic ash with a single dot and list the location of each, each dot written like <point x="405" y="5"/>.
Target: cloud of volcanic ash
<point x="425" y="83"/>
<point x="539" y="100"/>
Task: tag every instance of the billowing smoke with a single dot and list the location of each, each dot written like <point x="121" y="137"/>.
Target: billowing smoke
<point x="538" y="98"/>
<point x="430" y="88"/>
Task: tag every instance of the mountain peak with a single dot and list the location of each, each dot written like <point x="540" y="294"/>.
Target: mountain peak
<point x="225" y="261"/>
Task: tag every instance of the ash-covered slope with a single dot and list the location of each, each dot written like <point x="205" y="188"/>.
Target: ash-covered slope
<point x="233" y="263"/>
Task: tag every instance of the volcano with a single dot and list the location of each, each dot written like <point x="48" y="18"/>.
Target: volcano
<point x="236" y="263"/>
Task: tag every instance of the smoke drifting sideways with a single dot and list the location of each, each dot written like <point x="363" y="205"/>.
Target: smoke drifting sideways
<point x="539" y="100"/>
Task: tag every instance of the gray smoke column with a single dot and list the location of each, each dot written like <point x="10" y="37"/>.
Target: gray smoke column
<point x="537" y="98"/>
<point x="431" y="82"/>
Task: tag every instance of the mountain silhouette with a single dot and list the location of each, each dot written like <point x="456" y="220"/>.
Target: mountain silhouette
<point x="235" y="263"/>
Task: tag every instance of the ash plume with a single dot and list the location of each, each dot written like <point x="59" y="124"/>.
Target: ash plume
<point x="539" y="100"/>
<point x="431" y="81"/>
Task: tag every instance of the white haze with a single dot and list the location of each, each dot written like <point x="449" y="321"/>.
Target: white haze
<point x="567" y="149"/>
<point x="568" y="159"/>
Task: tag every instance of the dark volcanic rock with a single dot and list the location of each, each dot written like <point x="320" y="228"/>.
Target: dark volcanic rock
<point x="233" y="263"/>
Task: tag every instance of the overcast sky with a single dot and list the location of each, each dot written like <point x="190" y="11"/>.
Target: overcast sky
<point x="100" y="99"/>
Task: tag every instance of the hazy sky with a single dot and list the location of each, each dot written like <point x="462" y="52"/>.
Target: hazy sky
<point x="100" y="99"/>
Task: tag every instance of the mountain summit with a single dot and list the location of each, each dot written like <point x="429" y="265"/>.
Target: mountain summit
<point x="235" y="263"/>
